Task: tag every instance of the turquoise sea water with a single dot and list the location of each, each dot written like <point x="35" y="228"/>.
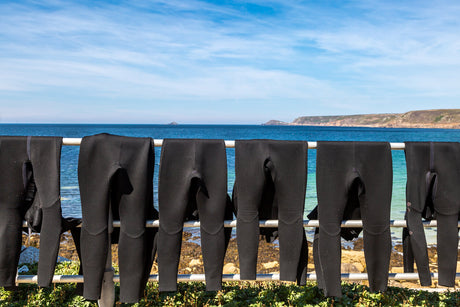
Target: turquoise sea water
<point x="69" y="161"/>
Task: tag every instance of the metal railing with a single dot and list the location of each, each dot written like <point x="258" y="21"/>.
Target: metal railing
<point x="232" y="223"/>
<point x="26" y="279"/>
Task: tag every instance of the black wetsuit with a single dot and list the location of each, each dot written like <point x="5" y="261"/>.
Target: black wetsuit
<point x="432" y="191"/>
<point x="24" y="160"/>
<point x="193" y="175"/>
<point x="356" y="174"/>
<point x="271" y="179"/>
<point x="115" y="175"/>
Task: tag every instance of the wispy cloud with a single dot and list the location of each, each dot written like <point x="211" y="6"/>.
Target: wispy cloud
<point x="228" y="62"/>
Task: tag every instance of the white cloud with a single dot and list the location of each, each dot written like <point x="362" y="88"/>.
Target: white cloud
<point x="305" y="57"/>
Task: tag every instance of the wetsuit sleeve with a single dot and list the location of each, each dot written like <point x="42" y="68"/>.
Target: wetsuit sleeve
<point x="70" y="223"/>
<point x="45" y="157"/>
<point x="49" y="243"/>
<point x="313" y="215"/>
<point x="229" y="211"/>
<point x="418" y="245"/>
<point x="408" y="253"/>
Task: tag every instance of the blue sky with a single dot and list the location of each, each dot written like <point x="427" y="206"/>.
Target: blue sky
<point x="224" y="61"/>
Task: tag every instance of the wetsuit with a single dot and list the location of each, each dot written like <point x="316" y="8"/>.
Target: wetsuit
<point x="24" y="160"/>
<point x="356" y="174"/>
<point x="271" y="179"/>
<point x="115" y="175"/>
<point x="432" y="191"/>
<point x="193" y="178"/>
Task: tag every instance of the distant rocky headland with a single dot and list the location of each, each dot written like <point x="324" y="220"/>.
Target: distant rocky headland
<point x="443" y="118"/>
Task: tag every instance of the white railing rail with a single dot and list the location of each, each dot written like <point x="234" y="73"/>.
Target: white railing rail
<point x="274" y="223"/>
<point x="228" y="143"/>
<point x="25" y="279"/>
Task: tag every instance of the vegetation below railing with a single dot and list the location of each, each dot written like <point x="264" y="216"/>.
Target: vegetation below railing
<point x="233" y="294"/>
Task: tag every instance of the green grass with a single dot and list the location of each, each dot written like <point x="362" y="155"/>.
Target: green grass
<point x="233" y="294"/>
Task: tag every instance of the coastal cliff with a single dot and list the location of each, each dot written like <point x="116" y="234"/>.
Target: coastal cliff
<point x="443" y="118"/>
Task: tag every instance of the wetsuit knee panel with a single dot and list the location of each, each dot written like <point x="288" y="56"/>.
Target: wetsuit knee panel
<point x="212" y="229"/>
<point x="330" y="229"/>
<point x="212" y="223"/>
<point x="445" y="204"/>
<point x="132" y="232"/>
<point x="247" y="216"/>
<point x="94" y="231"/>
<point x="290" y="217"/>
<point x="374" y="229"/>
<point x="171" y="228"/>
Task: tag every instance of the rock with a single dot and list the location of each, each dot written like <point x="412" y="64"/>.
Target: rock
<point x="349" y="268"/>
<point x="441" y="118"/>
<point x="397" y="269"/>
<point x="270" y="265"/>
<point x="30" y="255"/>
<point x="195" y="262"/>
<point x="351" y="256"/>
<point x="406" y="284"/>
<point x="230" y="268"/>
<point x="275" y="122"/>
<point x="359" y="267"/>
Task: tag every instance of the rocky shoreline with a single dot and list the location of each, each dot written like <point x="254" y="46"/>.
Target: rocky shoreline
<point x="441" y="118"/>
<point x="191" y="261"/>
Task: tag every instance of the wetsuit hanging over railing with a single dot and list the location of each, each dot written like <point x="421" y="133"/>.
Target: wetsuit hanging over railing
<point x="29" y="186"/>
<point x="115" y="175"/>
<point x="432" y="192"/>
<point x="271" y="179"/>
<point x="360" y="173"/>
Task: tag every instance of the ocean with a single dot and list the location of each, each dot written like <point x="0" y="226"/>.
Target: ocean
<point x="69" y="161"/>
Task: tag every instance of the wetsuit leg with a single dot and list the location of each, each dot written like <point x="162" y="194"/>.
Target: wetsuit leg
<point x="13" y="155"/>
<point x="301" y="275"/>
<point x="45" y="155"/>
<point x="177" y="159"/>
<point x="351" y="213"/>
<point x="332" y="163"/>
<point x="376" y="172"/>
<point x="250" y="161"/>
<point x="316" y="259"/>
<point x="96" y="166"/>
<point x="211" y="201"/>
<point x="289" y="173"/>
<point x="447" y="248"/>
<point x="135" y="206"/>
